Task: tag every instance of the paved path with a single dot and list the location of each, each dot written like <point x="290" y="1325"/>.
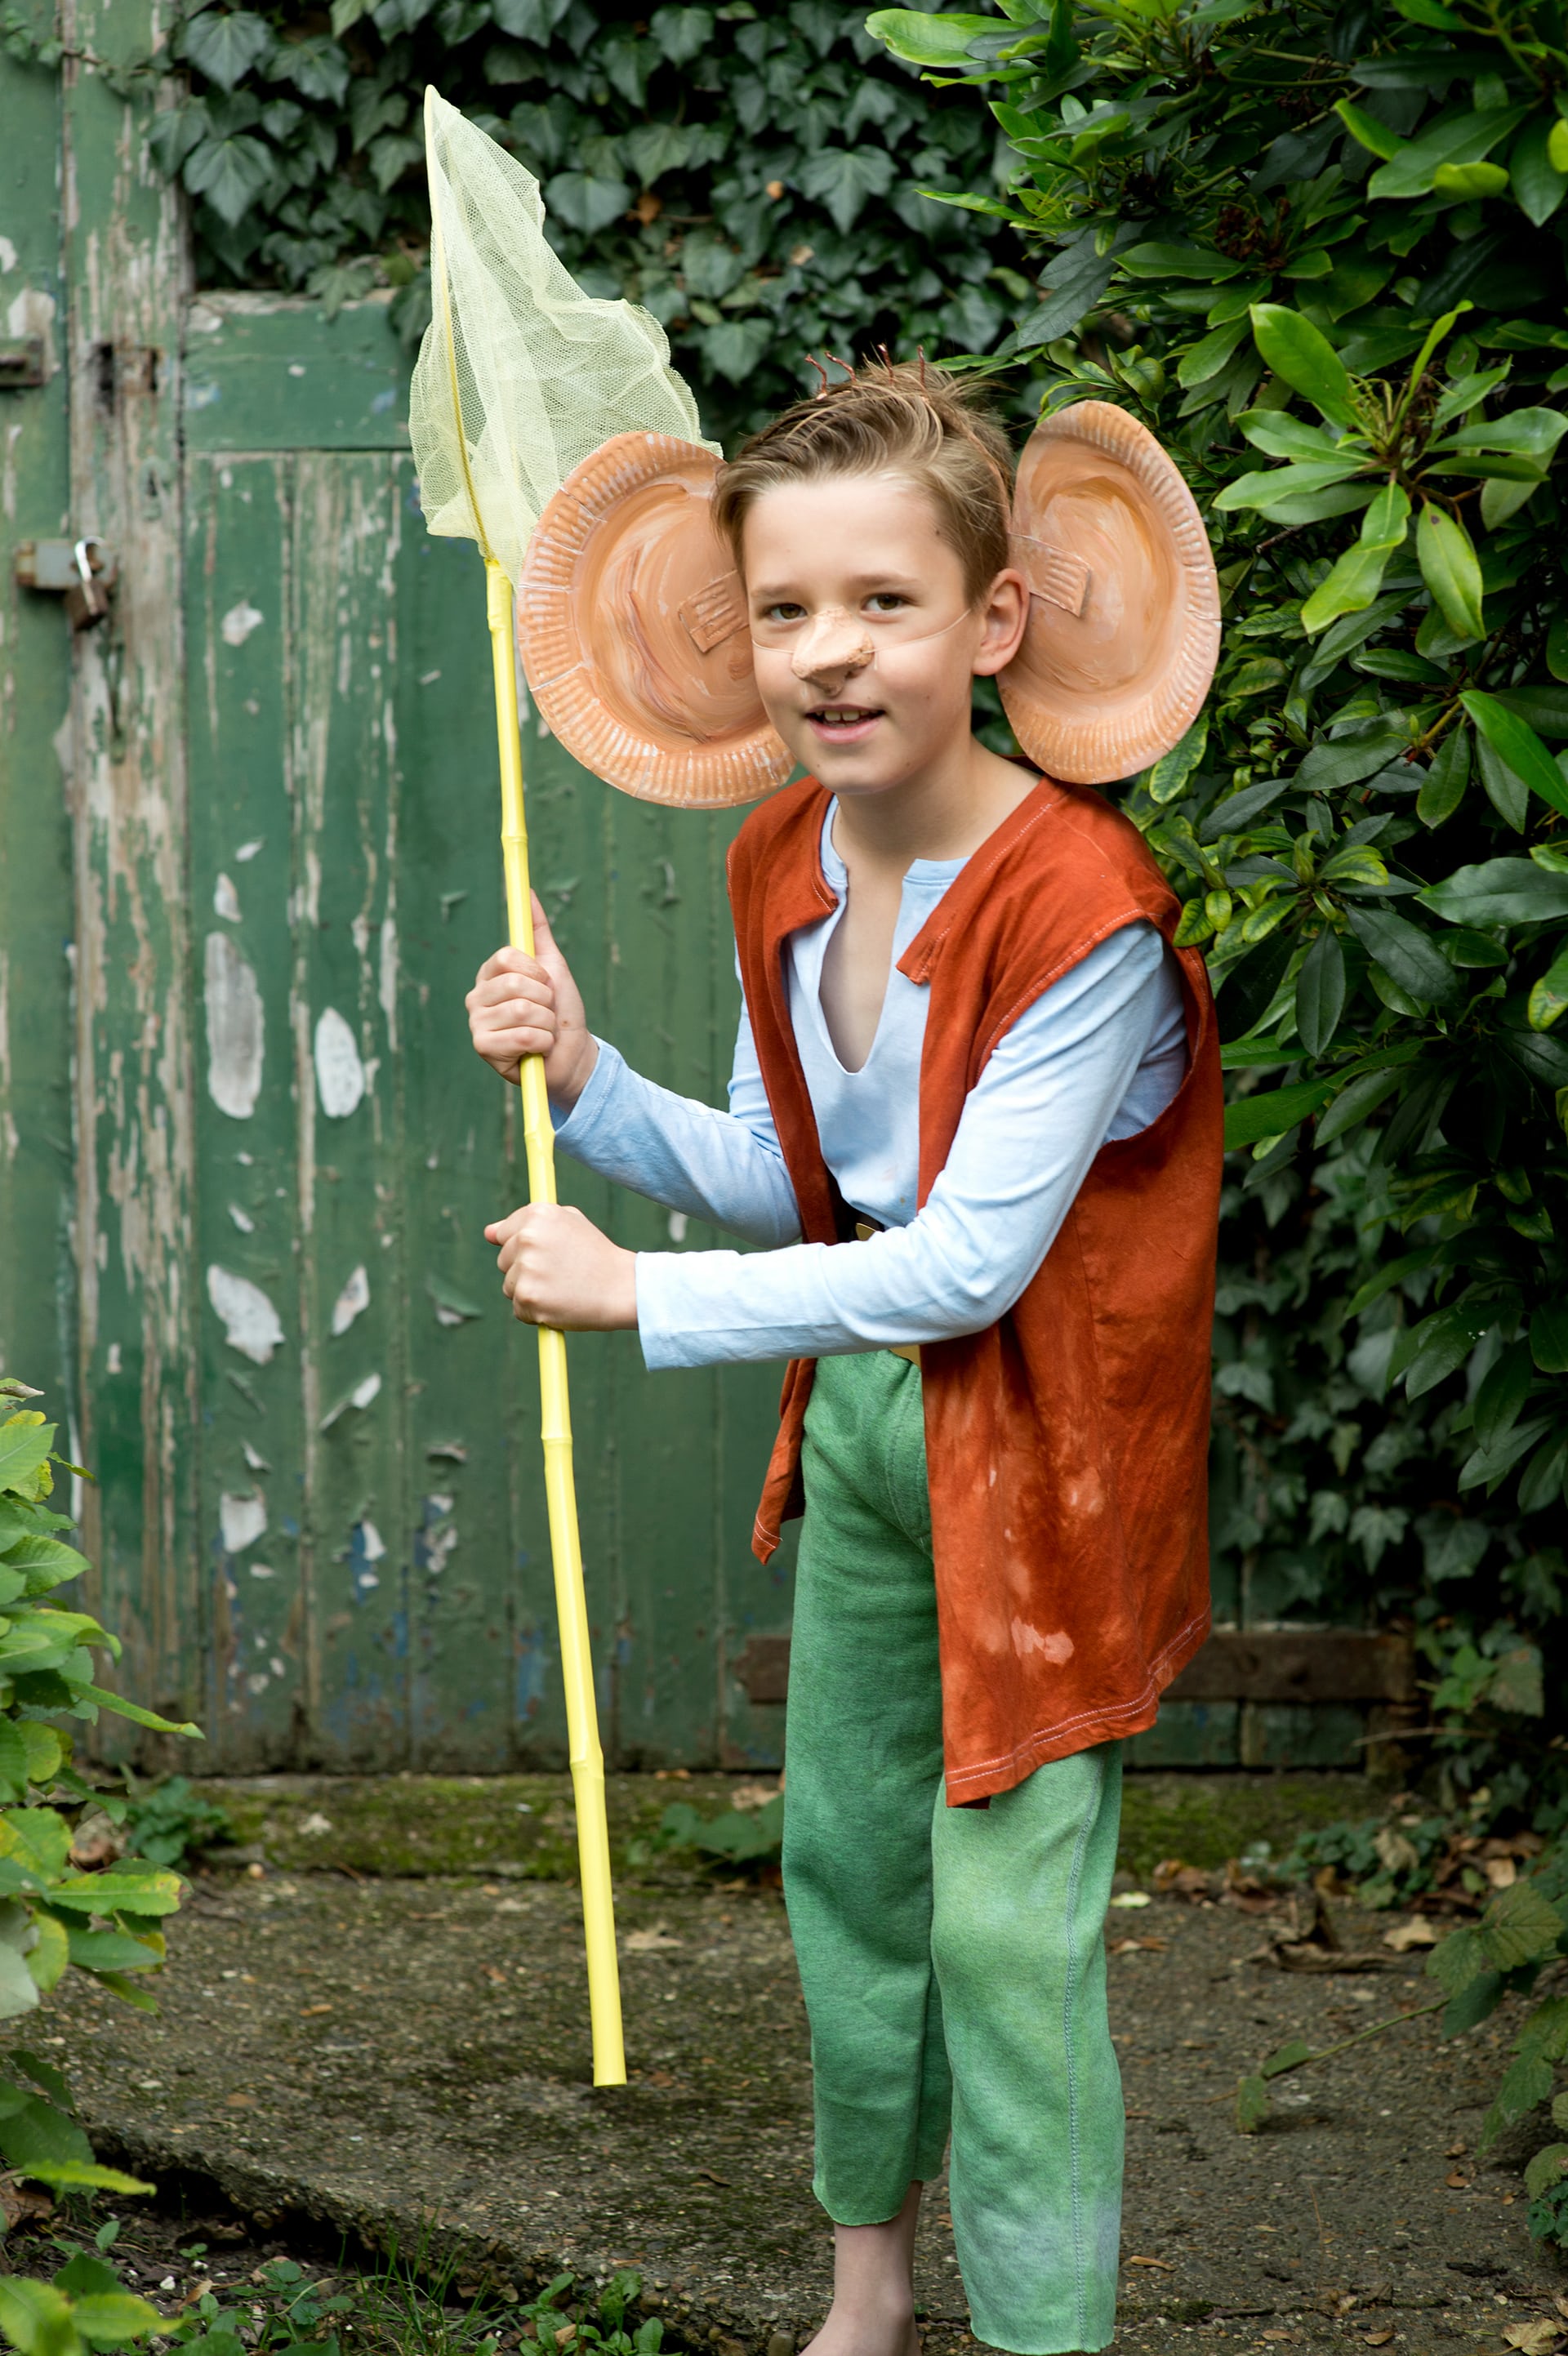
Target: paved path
<point x="403" y="2058"/>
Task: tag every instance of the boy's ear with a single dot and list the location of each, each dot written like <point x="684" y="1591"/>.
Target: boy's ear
<point x="1005" y="614"/>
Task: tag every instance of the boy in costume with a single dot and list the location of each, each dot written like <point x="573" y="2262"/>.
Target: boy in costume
<point x="975" y="1123"/>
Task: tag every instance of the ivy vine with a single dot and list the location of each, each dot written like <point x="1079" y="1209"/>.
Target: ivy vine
<point x="751" y="172"/>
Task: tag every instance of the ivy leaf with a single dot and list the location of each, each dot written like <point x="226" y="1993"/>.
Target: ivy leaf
<point x="734" y="348"/>
<point x="316" y="66"/>
<point x="225" y="48"/>
<point x="1451" y="571"/>
<point x="1300" y="354"/>
<point x="681" y="34"/>
<point x="229" y="173"/>
<point x="1516" y="742"/>
<point x="843" y="179"/>
<point x="585" y="202"/>
<point x="654" y="148"/>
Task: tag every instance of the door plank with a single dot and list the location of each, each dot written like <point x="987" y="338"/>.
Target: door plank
<point x="345" y="549"/>
<point x="125" y="268"/>
<point x="251" y="1512"/>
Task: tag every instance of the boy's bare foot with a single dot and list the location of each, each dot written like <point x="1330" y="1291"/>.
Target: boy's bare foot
<point x="872" y="2313"/>
<point x="860" y="2331"/>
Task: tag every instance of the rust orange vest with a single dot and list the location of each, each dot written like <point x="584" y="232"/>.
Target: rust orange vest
<point x="1067" y="1445"/>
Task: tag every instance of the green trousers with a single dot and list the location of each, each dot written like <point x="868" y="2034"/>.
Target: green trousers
<point x="952" y="1959"/>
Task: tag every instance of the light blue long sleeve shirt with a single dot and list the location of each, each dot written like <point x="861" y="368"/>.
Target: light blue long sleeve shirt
<point x="1098" y="1055"/>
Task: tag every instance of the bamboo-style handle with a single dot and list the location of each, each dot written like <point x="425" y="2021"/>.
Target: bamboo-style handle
<point x="561" y="1496"/>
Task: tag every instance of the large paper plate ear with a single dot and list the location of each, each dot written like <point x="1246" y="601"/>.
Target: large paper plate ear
<point x="632" y="625"/>
<point x="1123" y="629"/>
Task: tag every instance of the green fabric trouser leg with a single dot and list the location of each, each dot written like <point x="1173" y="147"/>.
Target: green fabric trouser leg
<point x="952" y="1959"/>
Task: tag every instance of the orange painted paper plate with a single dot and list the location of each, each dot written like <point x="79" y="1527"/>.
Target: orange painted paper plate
<point x="632" y="626"/>
<point x="1124" y="606"/>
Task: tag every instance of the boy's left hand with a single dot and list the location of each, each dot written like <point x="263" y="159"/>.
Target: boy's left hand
<point x="558" y="1270"/>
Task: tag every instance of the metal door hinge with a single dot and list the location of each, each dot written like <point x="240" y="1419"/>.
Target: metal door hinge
<point x="82" y="572"/>
<point x="21" y="362"/>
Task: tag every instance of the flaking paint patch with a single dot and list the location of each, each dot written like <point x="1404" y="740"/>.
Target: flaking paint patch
<point x="236" y="1029"/>
<point x="242" y="1519"/>
<point x="251" y="1323"/>
<point x="226" y="900"/>
<point x="366" y="1548"/>
<point x="351" y="1302"/>
<point x="240" y="621"/>
<point x="339" y="1073"/>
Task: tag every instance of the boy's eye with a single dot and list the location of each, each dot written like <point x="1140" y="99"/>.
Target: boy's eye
<point x="785" y="611"/>
<point x="886" y="601"/>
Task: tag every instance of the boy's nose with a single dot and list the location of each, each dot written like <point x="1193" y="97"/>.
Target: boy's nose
<point x="833" y="640"/>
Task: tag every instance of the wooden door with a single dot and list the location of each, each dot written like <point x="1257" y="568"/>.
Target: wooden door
<point x="374" y="1555"/>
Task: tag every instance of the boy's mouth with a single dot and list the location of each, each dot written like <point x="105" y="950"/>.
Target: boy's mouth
<point x="843" y="723"/>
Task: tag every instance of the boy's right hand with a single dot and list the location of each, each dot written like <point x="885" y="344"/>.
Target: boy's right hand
<point x="522" y="1005"/>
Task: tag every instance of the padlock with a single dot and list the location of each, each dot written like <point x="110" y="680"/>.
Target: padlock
<point x="87" y="599"/>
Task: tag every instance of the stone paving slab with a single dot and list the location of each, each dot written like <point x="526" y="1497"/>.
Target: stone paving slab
<point x="408" y="2060"/>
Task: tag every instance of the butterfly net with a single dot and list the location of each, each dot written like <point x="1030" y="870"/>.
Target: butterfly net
<point x="520" y="375"/>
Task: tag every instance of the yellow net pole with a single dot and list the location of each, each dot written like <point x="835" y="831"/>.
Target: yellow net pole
<point x="571" y="1604"/>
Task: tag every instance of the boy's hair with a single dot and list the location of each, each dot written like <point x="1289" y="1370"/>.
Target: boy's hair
<point x="916" y="421"/>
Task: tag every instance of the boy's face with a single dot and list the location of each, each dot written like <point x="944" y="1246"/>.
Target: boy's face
<point x="865" y="639"/>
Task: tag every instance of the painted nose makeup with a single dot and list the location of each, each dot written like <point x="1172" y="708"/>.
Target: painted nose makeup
<point x="833" y="639"/>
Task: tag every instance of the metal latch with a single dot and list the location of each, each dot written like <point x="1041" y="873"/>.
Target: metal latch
<point x="82" y="572"/>
<point x="21" y="362"/>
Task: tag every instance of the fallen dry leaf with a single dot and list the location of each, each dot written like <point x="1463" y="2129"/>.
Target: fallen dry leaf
<point x="1164" y="2265"/>
<point x="311" y="2011"/>
<point x="1132" y="1897"/>
<point x="1560" y="2304"/>
<point x="754" y="1795"/>
<point x="1501" y="1872"/>
<point x="1456" y="2151"/>
<point x="1538" y="2337"/>
<point x="240" y="2102"/>
<point x="641" y="1942"/>
<point x="1379" y="2339"/>
<point x="1417" y="1933"/>
<point x="1457" y="2182"/>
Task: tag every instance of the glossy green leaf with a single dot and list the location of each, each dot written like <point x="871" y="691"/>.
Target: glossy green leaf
<point x="1372" y="135"/>
<point x="1403" y="950"/>
<point x="1450" y="569"/>
<point x="1320" y="992"/>
<point x="1500" y="892"/>
<point x="1168" y="777"/>
<point x="1516" y="742"/>
<point x="1549" y="1338"/>
<point x="1463" y="140"/>
<point x="1272" y="1113"/>
<point x="1300" y="354"/>
<point x="1357" y="575"/>
<point x="1464" y="181"/>
<point x="922" y="40"/>
<point x="1443" y="788"/>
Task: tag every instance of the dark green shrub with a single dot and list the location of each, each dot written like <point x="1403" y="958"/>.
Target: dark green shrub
<point x="1319" y="250"/>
